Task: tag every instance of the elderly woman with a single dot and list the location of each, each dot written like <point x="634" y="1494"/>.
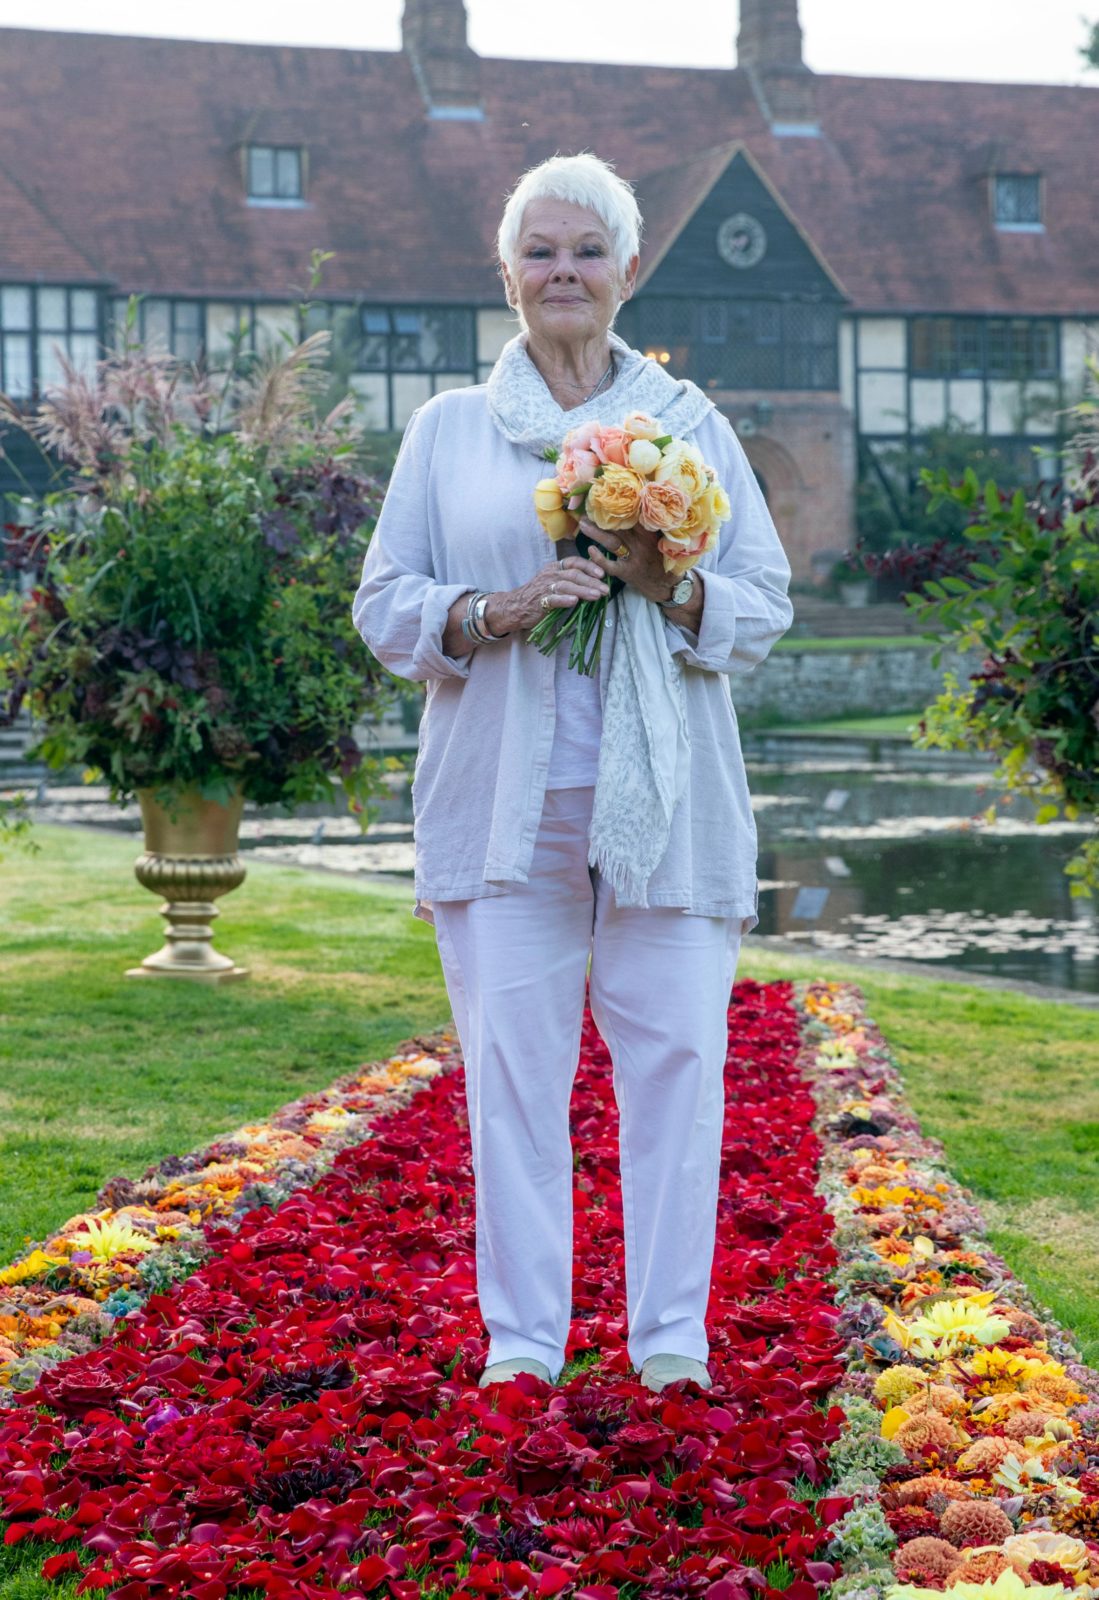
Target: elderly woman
<point x="562" y="819"/>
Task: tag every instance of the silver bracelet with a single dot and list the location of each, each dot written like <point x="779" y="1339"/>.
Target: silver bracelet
<point x="474" y="626"/>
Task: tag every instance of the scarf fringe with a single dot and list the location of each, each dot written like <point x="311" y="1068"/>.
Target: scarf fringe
<point x="628" y="879"/>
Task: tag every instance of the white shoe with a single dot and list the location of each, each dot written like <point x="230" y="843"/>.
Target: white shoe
<point x="504" y="1371"/>
<point x="660" y="1370"/>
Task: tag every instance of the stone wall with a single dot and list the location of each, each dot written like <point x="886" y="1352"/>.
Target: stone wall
<point x="821" y="685"/>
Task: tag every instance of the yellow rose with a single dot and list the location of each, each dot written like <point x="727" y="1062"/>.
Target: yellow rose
<point x="614" y="499"/>
<point x="682" y="465"/>
<point x="713" y="506"/>
<point x="549" y="507"/>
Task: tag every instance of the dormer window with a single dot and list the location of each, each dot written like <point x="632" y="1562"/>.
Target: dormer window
<point x="1017" y="202"/>
<point x="275" y="174"/>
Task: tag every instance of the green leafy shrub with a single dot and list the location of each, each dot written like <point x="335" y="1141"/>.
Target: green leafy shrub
<point x="188" y="617"/>
<point x="1030" y="605"/>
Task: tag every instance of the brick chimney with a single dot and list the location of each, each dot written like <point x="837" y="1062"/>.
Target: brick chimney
<point x="769" y="51"/>
<point x="435" y="38"/>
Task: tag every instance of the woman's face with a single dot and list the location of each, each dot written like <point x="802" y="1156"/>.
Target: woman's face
<point x="566" y="282"/>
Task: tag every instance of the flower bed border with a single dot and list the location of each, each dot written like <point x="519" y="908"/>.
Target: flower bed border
<point x="946" y="1350"/>
<point x="58" y="1300"/>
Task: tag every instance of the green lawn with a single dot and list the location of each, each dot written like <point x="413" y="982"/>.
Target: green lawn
<point x="871" y="641"/>
<point x="897" y="725"/>
<point x="102" y="1074"/>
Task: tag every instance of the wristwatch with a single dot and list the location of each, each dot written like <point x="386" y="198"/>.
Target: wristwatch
<point x="682" y="592"/>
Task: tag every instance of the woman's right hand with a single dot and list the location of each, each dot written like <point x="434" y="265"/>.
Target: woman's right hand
<point x="564" y="583"/>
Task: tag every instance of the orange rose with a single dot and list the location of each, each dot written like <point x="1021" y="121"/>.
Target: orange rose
<point x="664" y="507"/>
<point x="614" y="499"/>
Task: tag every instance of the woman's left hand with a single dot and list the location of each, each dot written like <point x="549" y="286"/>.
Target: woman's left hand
<point x="642" y="568"/>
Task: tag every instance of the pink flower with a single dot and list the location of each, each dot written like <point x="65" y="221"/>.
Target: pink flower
<point x="611" y="445"/>
<point x="575" y="465"/>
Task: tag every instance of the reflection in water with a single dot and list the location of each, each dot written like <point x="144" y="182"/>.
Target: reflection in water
<point x="862" y="857"/>
<point x="910" y="874"/>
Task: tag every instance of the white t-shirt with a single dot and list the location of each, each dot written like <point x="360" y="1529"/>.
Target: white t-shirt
<point x="574" y="758"/>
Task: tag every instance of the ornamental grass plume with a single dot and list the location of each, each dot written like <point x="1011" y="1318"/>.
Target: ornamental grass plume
<point x="975" y="1522"/>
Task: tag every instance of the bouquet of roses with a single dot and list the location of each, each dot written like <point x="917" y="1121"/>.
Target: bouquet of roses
<point x="634" y="479"/>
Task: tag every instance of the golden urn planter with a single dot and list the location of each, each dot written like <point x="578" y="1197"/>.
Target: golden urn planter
<point x="190" y="858"/>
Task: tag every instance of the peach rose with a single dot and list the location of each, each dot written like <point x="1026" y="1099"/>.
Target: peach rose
<point x="664" y="507"/>
<point x="610" y="445"/>
<point x="550" y="510"/>
<point x="639" y="425"/>
<point x="614" y="499"/>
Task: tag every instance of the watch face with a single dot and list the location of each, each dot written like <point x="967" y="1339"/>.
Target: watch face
<point x="741" y="240"/>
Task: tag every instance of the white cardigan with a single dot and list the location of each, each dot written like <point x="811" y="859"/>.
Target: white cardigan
<point x="459" y="515"/>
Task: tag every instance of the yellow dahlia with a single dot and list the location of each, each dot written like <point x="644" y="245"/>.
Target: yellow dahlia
<point x="951" y="1324"/>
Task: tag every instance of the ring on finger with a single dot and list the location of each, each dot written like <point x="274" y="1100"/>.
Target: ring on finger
<point x="545" y="602"/>
<point x="623" y="550"/>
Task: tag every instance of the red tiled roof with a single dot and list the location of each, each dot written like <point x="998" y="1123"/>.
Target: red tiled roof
<point x="130" y="151"/>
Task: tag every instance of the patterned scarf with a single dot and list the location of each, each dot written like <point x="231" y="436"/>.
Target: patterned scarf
<point x="644" y="752"/>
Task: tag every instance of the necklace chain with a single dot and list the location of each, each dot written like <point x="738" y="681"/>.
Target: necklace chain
<point x="599" y="385"/>
<point x="591" y="396"/>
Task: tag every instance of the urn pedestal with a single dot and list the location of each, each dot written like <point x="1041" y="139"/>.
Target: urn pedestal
<point x="190" y="858"/>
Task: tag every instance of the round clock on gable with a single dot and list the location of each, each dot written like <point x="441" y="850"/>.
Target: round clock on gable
<point x="741" y="240"/>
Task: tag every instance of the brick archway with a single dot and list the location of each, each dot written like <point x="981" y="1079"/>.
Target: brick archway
<point x="806" y="458"/>
<point x="783" y="486"/>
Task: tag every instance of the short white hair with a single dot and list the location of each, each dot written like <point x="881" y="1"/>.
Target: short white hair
<point x="586" y="181"/>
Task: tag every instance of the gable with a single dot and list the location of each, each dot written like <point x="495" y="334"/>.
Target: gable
<point x="740" y="241"/>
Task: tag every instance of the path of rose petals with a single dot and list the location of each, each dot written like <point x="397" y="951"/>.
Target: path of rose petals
<point x="62" y="1297"/>
<point x="301" y="1417"/>
<point x="972" y="1444"/>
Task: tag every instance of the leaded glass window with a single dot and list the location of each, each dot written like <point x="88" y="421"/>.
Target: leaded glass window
<point x="1017" y="200"/>
<point x="739" y="344"/>
<point x="974" y="347"/>
<point x="417" y="339"/>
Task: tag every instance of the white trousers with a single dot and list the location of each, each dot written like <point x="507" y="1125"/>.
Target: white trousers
<point x="515" y="967"/>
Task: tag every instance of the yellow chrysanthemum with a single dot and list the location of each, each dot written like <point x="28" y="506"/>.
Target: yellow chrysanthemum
<point x="893" y="1386"/>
